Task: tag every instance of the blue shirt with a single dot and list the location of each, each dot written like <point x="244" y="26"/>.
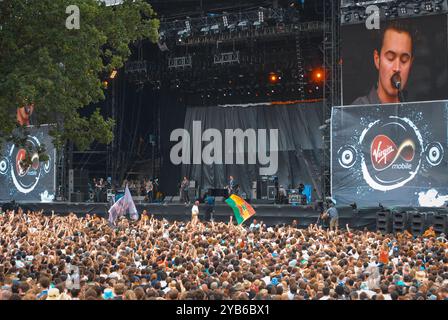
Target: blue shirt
<point x="332" y="212"/>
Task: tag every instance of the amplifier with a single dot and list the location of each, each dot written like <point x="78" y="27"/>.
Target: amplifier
<point x="218" y="192"/>
<point x="271" y="193"/>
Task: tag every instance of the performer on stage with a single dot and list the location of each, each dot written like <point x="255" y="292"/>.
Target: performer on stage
<point x="184" y="190"/>
<point x="282" y="195"/>
<point x="232" y="187"/>
<point x="99" y="186"/>
<point x="393" y="59"/>
<point x="301" y="187"/>
<point x="149" y="190"/>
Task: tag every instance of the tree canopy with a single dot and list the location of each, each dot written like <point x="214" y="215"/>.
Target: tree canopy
<point x="60" y="70"/>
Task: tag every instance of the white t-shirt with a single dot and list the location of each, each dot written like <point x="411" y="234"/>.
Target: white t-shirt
<point x="387" y="296"/>
<point x="195" y="210"/>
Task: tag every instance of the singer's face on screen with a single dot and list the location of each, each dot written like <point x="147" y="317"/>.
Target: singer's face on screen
<point x="395" y="56"/>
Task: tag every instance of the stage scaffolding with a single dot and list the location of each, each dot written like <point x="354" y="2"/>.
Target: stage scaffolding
<point x="332" y="83"/>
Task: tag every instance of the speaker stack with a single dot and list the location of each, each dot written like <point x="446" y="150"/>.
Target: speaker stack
<point x="400" y="222"/>
<point x="384" y="221"/>
<point x="419" y="222"/>
<point x="440" y="222"/>
<point x="266" y="188"/>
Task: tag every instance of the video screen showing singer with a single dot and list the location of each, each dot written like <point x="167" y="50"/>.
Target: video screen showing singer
<point x="393" y="58"/>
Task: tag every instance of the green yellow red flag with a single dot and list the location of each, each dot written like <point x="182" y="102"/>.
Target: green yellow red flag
<point x="241" y="208"/>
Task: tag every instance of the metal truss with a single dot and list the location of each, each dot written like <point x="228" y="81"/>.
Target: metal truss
<point x="332" y="83"/>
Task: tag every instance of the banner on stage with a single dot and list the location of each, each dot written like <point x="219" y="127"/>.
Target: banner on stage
<point x="394" y="155"/>
<point x="36" y="183"/>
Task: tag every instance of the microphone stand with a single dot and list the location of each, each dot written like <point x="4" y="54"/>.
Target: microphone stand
<point x="400" y="95"/>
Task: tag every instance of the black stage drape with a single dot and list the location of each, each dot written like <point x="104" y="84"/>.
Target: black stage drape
<point x="299" y="142"/>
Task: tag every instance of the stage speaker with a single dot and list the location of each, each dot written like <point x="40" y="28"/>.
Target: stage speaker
<point x="218" y="192"/>
<point x="110" y="195"/>
<point x="400" y="221"/>
<point x="192" y="194"/>
<point x="176" y="199"/>
<point x="440" y="222"/>
<point x="419" y="222"/>
<point x="271" y="193"/>
<point x="77" y="197"/>
<point x="168" y="199"/>
<point x="253" y="190"/>
<point x="262" y="189"/>
<point x="384" y="221"/>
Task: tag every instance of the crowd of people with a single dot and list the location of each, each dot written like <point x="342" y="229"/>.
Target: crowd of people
<point x="54" y="257"/>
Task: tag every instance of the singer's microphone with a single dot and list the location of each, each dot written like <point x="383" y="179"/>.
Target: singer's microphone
<point x="396" y="80"/>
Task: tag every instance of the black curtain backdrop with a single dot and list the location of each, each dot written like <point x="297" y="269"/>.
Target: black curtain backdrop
<point x="172" y="116"/>
<point x="299" y="142"/>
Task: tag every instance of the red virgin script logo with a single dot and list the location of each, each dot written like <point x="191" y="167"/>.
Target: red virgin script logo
<point x="384" y="152"/>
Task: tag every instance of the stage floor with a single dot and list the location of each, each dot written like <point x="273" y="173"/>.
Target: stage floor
<point x="270" y="214"/>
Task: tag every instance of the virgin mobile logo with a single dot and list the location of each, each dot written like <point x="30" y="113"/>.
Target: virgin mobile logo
<point x="384" y="152"/>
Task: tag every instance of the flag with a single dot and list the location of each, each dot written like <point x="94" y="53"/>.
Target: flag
<point x="123" y="205"/>
<point x="241" y="208"/>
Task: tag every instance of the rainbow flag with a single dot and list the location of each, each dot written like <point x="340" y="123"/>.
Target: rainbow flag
<point x="241" y="208"/>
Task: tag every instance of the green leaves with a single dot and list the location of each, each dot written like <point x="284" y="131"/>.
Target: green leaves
<point x="60" y="70"/>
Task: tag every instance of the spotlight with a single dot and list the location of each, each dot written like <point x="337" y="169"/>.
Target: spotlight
<point x="318" y="75"/>
<point x="428" y="7"/>
<point x="273" y="78"/>
<point x="261" y="16"/>
<point x="225" y="21"/>
<point x="348" y="17"/>
<point x="417" y="9"/>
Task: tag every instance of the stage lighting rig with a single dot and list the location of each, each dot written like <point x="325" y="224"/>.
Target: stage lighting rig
<point x="137" y="71"/>
<point x="225" y="21"/>
<point x="390" y="9"/>
<point x="428" y="6"/>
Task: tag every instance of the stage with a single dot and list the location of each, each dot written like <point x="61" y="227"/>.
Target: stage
<point x="270" y="214"/>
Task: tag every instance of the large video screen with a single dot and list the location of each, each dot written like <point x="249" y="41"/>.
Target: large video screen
<point x="394" y="155"/>
<point x="36" y="183"/>
<point x="405" y="60"/>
